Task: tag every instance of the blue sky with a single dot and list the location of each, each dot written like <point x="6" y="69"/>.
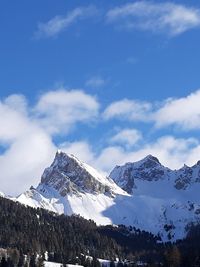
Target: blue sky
<point x="109" y="81"/>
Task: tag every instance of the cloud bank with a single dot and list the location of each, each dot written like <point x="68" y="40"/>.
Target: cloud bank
<point x="183" y="112"/>
<point x="28" y="133"/>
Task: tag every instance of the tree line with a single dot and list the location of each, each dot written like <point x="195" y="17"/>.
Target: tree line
<point x="26" y="234"/>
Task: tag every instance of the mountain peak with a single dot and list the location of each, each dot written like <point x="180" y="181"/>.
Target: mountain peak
<point x="67" y="174"/>
<point x="151" y="157"/>
<point x="63" y="158"/>
<point x="185" y="166"/>
<point x="198" y="163"/>
<point x="148" y="162"/>
<point x="60" y="154"/>
<point x="147" y="169"/>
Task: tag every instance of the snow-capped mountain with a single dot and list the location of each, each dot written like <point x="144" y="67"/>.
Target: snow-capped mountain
<point x="149" y="177"/>
<point x="144" y="194"/>
<point x="67" y="175"/>
<point x="148" y="169"/>
<point x="175" y="191"/>
<point x="70" y="186"/>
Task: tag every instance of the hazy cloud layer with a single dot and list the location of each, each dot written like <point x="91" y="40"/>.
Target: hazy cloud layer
<point x="127" y="137"/>
<point x="95" y="81"/>
<point x="156" y="17"/>
<point x="59" y="23"/>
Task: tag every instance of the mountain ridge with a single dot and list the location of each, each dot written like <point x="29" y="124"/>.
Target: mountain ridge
<point x="144" y="194"/>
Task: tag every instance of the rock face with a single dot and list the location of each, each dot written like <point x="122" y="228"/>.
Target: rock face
<point x="148" y="169"/>
<point x="68" y="175"/>
<point x="144" y="194"/>
<point x="187" y="176"/>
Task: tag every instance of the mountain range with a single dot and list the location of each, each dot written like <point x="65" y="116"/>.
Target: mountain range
<point x="144" y="194"/>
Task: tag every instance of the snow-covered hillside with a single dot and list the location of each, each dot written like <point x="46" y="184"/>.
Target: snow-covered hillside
<point x="144" y="194"/>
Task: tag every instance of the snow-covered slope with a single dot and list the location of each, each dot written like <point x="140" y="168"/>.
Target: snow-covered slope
<point x="175" y="191"/>
<point x="144" y="194"/>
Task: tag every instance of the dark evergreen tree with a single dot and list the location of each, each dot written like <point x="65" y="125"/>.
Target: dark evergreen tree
<point x="32" y="261"/>
<point x="4" y="263"/>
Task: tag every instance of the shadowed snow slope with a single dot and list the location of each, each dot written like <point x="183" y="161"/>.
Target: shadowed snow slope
<point x="144" y="194"/>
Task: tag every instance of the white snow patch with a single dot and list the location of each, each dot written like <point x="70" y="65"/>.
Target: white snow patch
<point x="55" y="264"/>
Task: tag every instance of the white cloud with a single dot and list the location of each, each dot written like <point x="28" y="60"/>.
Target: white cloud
<point x="129" y="109"/>
<point x="60" y="23"/>
<point x="24" y="161"/>
<point x="60" y="110"/>
<point x="12" y="118"/>
<point x="127" y="137"/>
<point x="95" y="81"/>
<point x="28" y="147"/>
<point x="171" y="152"/>
<point x="184" y="112"/>
<point x="26" y="133"/>
<point x="156" y="17"/>
<point x="16" y="102"/>
<point x="81" y="149"/>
